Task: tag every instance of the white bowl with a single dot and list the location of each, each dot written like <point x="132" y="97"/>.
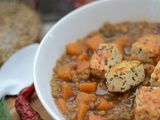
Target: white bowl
<point x="78" y="24"/>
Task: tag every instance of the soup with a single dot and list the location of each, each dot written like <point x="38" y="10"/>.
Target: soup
<point x="84" y="92"/>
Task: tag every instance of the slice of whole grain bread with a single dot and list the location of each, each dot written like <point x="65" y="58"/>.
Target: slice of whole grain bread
<point x="20" y="25"/>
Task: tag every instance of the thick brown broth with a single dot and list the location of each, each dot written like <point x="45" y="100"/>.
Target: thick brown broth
<point x="123" y="103"/>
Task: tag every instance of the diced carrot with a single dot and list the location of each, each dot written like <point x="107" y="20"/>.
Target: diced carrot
<point x="66" y="91"/>
<point x="62" y="105"/>
<point x="74" y="48"/>
<point x="132" y="58"/>
<point x="103" y="104"/>
<point x="64" y="72"/>
<point x="83" y="97"/>
<point x="82" y="110"/>
<point x="88" y="87"/>
<point x="121" y="43"/>
<point x="91" y="97"/>
<point x="83" y="56"/>
<point x="96" y="117"/>
<point x="82" y="65"/>
<point x="94" y="41"/>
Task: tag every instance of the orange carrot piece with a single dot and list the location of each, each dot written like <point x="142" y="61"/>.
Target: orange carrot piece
<point x="83" y="56"/>
<point x="62" y="105"/>
<point x="82" y="111"/>
<point x="88" y="87"/>
<point x="83" y="97"/>
<point x="74" y="48"/>
<point x="92" y="97"/>
<point x="94" y="41"/>
<point x="121" y="43"/>
<point x="96" y="117"/>
<point x="82" y="65"/>
<point x="103" y="104"/>
<point x="66" y="91"/>
<point x="63" y="72"/>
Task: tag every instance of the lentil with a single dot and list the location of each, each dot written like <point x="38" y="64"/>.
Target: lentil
<point x="122" y="102"/>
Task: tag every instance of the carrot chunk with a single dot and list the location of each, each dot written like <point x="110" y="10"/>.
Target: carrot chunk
<point x="83" y="97"/>
<point x="96" y="117"/>
<point x="66" y="91"/>
<point x="103" y="104"/>
<point x="63" y="72"/>
<point x="62" y="105"/>
<point x="121" y="43"/>
<point x="88" y="87"/>
<point x="82" y="111"/>
<point x="82" y="65"/>
<point x="94" y="41"/>
<point x="74" y="48"/>
<point x="83" y="56"/>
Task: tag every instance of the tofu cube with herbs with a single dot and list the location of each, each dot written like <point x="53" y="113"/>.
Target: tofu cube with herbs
<point x="125" y="75"/>
<point x="147" y="103"/>
<point x="155" y="76"/>
<point x="103" y="58"/>
<point x="147" y="49"/>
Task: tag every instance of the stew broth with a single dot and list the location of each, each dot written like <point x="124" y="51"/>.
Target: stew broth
<point x="122" y="103"/>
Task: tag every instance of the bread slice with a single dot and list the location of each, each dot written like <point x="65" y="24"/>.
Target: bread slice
<point x="19" y="26"/>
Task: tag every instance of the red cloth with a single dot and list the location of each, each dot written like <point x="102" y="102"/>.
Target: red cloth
<point x="78" y="3"/>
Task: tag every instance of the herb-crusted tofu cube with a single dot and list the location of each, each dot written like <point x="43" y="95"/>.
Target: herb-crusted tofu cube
<point x="124" y="75"/>
<point x="147" y="103"/>
<point x="147" y="49"/>
<point x="155" y="76"/>
<point x="103" y="58"/>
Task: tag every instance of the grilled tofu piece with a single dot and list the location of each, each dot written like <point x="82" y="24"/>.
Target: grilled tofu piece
<point x="147" y="103"/>
<point x="124" y="76"/>
<point x="103" y="58"/>
<point x="147" y="49"/>
<point x="155" y="76"/>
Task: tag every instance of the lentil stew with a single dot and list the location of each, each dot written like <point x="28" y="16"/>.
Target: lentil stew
<point x="82" y="95"/>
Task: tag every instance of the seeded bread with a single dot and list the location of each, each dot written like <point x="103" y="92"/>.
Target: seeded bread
<point x="147" y="103"/>
<point x="103" y="58"/>
<point x="124" y="76"/>
<point x="19" y="26"/>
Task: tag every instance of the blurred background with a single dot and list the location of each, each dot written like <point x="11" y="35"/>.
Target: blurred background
<point x="23" y="22"/>
<point x="51" y="11"/>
